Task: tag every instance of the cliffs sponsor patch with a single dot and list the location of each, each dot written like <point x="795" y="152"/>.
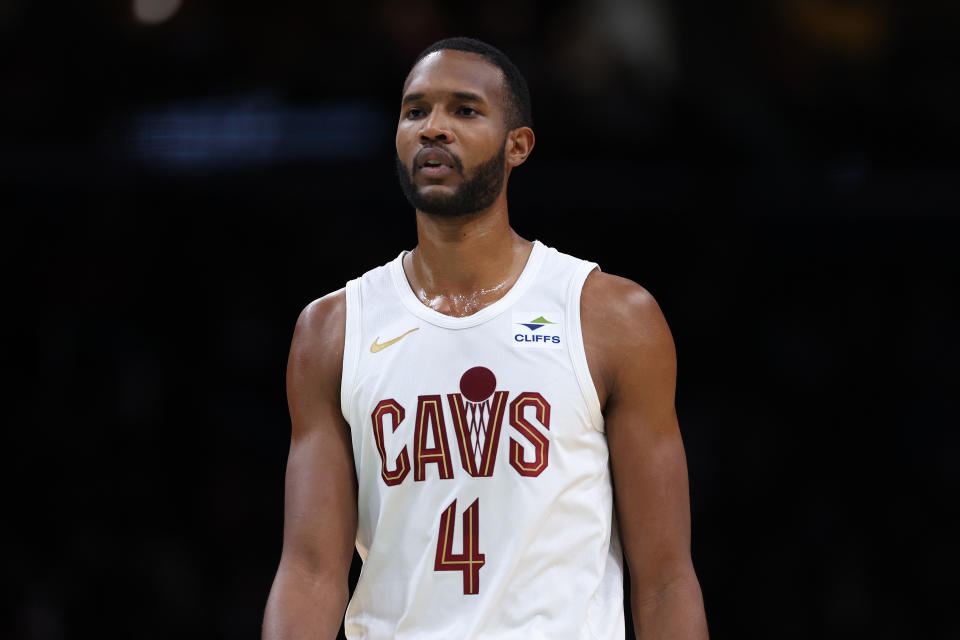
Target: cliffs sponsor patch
<point x="537" y="330"/>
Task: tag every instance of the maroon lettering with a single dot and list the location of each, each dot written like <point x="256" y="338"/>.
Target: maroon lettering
<point x="392" y="409"/>
<point x="430" y="416"/>
<point x="541" y="445"/>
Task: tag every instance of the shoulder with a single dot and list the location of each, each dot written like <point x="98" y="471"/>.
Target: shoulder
<point x="316" y="352"/>
<point x="623" y="306"/>
<point x="618" y="295"/>
<point x="623" y="329"/>
<point x="323" y="316"/>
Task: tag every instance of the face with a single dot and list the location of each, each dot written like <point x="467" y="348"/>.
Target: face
<point x="452" y="141"/>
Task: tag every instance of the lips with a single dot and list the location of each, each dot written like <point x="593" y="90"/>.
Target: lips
<point x="434" y="157"/>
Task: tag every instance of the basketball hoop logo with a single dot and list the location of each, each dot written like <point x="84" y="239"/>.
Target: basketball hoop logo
<point x="477" y="417"/>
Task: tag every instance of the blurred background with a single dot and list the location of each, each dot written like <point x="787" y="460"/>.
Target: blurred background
<point x="180" y="178"/>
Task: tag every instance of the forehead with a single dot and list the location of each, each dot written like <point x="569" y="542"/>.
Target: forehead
<point x="448" y="71"/>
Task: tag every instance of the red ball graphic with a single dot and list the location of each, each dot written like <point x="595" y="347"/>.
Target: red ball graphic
<point x="478" y="384"/>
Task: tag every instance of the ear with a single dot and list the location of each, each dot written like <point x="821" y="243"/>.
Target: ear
<point x="520" y="143"/>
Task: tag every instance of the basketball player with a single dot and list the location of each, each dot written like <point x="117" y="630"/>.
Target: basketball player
<point x="472" y="414"/>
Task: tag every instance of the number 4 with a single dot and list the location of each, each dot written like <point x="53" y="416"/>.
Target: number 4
<point x="470" y="560"/>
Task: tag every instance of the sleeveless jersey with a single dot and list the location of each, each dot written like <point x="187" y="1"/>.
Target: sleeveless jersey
<point x="484" y="492"/>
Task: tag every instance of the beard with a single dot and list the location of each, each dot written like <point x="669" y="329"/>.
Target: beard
<point x="476" y="194"/>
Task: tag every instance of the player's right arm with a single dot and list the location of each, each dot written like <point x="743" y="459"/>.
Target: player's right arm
<point x="310" y="591"/>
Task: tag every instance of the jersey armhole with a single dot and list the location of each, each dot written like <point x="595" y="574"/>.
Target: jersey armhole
<point x="351" y="353"/>
<point x="578" y="354"/>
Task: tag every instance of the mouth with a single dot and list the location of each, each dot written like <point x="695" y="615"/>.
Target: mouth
<point x="435" y="161"/>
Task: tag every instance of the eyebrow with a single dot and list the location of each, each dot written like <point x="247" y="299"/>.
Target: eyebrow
<point x="466" y="95"/>
<point x="459" y="95"/>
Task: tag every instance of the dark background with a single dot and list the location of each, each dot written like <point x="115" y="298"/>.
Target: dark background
<point x="782" y="177"/>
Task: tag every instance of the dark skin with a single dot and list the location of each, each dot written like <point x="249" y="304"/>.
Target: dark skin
<point x="464" y="263"/>
<point x="455" y="100"/>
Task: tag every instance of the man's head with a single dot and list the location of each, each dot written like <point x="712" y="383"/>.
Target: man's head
<point x="464" y="124"/>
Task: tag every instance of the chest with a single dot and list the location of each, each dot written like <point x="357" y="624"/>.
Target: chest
<point x="480" y="402"/>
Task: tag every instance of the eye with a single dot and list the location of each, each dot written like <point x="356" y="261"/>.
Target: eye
<point x="413" y="113"/>
<point x="467" y="111"/>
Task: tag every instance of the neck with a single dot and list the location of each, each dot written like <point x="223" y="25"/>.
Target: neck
<point x="465" y="263"/>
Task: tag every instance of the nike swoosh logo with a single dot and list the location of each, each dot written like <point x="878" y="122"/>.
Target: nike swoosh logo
<point x="380" y="346"/>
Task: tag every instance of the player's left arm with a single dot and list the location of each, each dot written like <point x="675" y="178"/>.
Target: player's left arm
<point x="633" y="363"/>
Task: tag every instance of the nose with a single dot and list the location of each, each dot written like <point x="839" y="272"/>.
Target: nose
<point x="436" y="128"/>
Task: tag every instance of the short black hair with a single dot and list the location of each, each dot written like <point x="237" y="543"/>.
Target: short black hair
<point x="519" y="112"/>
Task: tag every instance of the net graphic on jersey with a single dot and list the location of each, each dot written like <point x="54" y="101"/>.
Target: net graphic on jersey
<point x="477" y="386"/>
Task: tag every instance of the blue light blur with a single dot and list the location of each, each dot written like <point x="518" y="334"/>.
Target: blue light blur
<point x="250" y="131"/>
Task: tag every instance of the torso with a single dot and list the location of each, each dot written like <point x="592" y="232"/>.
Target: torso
<point x="532" y="491"/>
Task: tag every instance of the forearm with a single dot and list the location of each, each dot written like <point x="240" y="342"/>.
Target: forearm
<point x="673" y="611"/>
<point x="304" y="605"/>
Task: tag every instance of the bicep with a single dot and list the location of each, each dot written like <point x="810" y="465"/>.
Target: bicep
<point x="651" y="493"/>
<point x="647" y="457"/>
<point x="320" y="506"/>
<point x="320" y="509"/>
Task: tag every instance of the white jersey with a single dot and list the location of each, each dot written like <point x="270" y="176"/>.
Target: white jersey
<point x="485" y="501"/>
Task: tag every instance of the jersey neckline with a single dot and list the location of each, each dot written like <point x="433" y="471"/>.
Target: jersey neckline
<point x="417" y="308"/>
